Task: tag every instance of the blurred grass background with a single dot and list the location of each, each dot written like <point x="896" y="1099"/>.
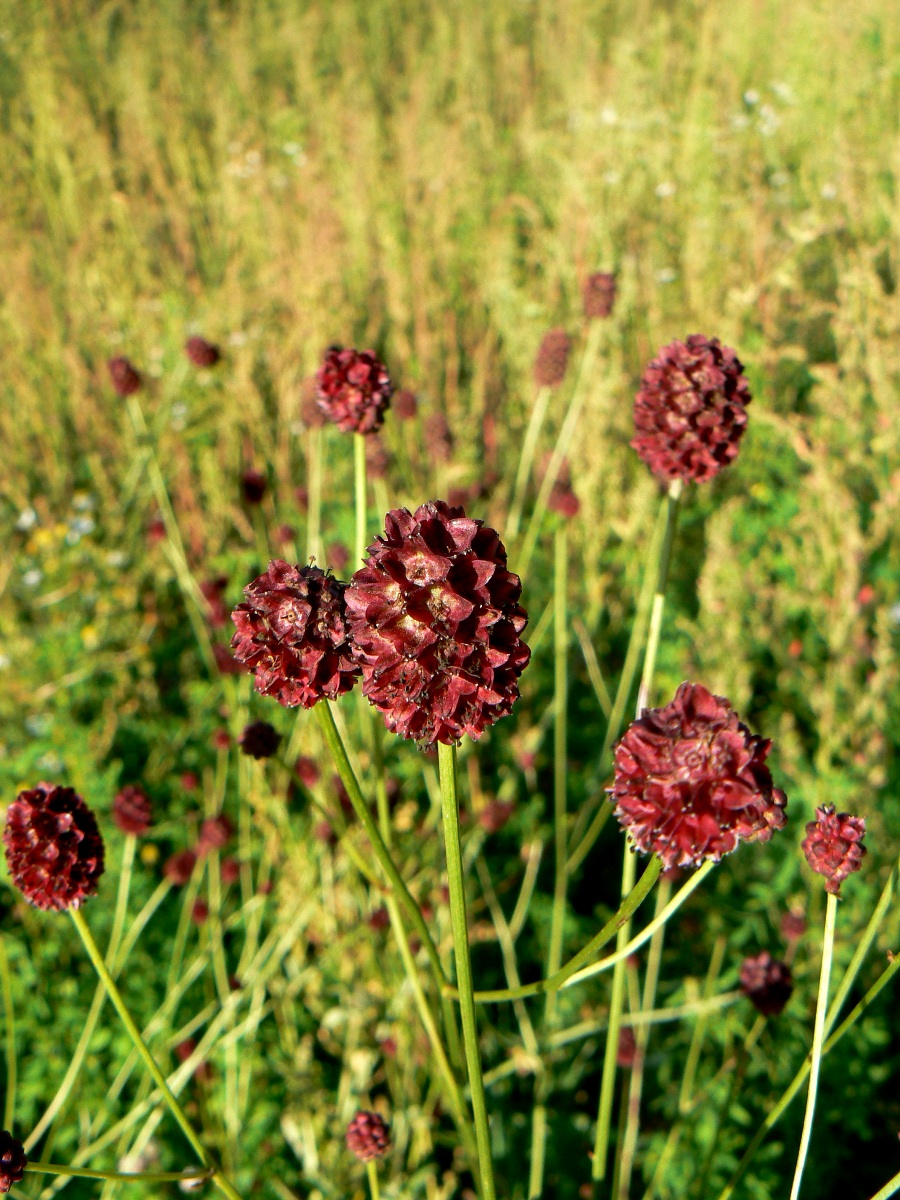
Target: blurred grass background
<point x="435" y="181"/>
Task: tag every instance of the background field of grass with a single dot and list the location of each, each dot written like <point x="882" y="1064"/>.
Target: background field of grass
<point x="435" y="180"/>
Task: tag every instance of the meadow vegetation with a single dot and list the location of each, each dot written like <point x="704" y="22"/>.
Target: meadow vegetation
<point x="435" y="181"/>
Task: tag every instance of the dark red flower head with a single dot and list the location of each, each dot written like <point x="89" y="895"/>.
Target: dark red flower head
<point x="307" y="771"/>
<point x="54" y="850"/>
<point x="691" y="781"/>
<point x="259" y="739"/>
<point x="292" y="634"/>
<point x="201" y="352"/>
<point x="354" y="389"/>
<point x="405" y="405"/>
<point x="368" y="1136"/>
<point x="691" y="410"/>
<point x="438" y="437"/>
<point x="125" y="379"/>
<point x="598" y="295"/>
<point x="13" y="1160"/>
<point x="253" y="486"/>
<point x="766" y="983"/>
<point x="435" y="622"/>
<point x="215" y="833"/>
<point x="179" y="867"/>
<point x="132" y="810"/>
<point x="833" y="846"/>
<point x="377" y="458"/>
<point x="552" y="359"/>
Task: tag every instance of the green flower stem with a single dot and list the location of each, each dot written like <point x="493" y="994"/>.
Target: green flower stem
<point x="45" y="1168"/>
<point x="348" y="778"/>
<point x="818" y="1040"/>
<point x="315" y="465"/>
<point x="586" y="378"/>
<point x="636" y="1083"/>
<point x="140" y="1045"/>
<point x="371" y="1167"/>
<point x="607" y="1082"/>
<point x="560" y="693"/>
<point x="890" y="1189"/>
<point x="9" y="1014"/>
<point x="626" y="682"/>
<point x="526" y="459"/>
<point x="139" y="923"/>
<point x="843" y="991"/>
<point x="359" y="479"/>
<point x="450" y="809"/>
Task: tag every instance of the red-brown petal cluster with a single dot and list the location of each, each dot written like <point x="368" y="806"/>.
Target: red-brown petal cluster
<point x="180" y="866"/>
<point x="368" y="1136"/>
<point x="691" y="781"/>
<point x="259" y="739"/>
<point x="552" y="358"/>
<point x="132" y="810"/>
<point x="125" y="379"/>
<point x="354" y="389"/>
<point x="201" y="352"/>
<point x="54" y="850"/>
<point x="292" y="633"/>
<point x="435" y="622"/>
<point x="405" y="405"/>
<point x="598" y="295"/>
<point x="691" y="410"/>
<point x="13" y="1160"/>
<point x="253" y="486"/>
<point x="767" y="983"/>
<point x="833" y="846"/>
<point x="215" y="834"/>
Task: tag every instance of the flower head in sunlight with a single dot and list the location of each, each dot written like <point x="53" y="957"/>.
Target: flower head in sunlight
<point x="368" y="1136"/>
<point x="292" y="634"/>
<point x="598" y="295"/>
<point x="125" y="379"/>
<point x="132" y="810"/>
<point x="691" y="781"/>
<point x="552" y="358"/>
<point x="201" y="352"/>
<point x="54" y="850"/>
<point x="833" y="846"/>
<point x="691" y="410"/>
<point x="435" y="621"/>
<point x="354" y="389"/>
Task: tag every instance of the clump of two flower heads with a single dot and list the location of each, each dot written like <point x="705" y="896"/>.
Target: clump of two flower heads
<point x="431" y="622"/>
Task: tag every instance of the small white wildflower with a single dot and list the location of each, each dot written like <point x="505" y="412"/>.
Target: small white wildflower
<point x="4" y="662"/>
<point x="666" y="188"/>
<point x="783" y="91"/>
<point x="237" y="337"/>
<point x="83" y="501"/>
<point x="611" y="178"/>
<point x="33" y="577"/>
<point x="609" y="116"/>
<point x="751" y="96"/>
<point x="894" y="614"/>
<point x="26" y="520"/>
<point x="666" y="275"/>
<point x="778" y="179"/>
<point x="829" y="191"/>
<point x="82" y="525"/>
<point x="290" y="149"/>
<point x="117" y="558"/>
<point x="740" y="121"/>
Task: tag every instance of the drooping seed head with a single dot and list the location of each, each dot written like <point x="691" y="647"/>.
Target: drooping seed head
<point x="13" y="1160"/>
<point x="767" y="983"/>
<point x="368" y="1136"/>
<point x="201" y="352"/>
<point x="691" y="781"/>
<point x="833" y="846"/>
<point x="132" y="810"/>
<point x="691" y="410"/>
<point x="259" y="740"/>
<point x="125" y="379"/>
<point x="435" y="621"/>
<point x="598" y="295"/>
<point x="54" y="850"/>
<point x="552" y="358"/>
<point x="292" y="634"/>
<point x="354" y="389"/>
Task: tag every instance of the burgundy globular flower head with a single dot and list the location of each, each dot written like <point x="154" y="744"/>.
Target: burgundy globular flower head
<point x="833" y="846"/>
<point x="552" y="358"/>
<point x="201" y="352"/>
<point x="13" y="1160"/>
<point x="598" y="295"/>
<point x="123" y="376"/>
<point x="354" y="389"/>
<point x="767" y="983"/>
<point x="691" y="410"/>
<point x="54" y="850"/>
<point x="259" y="739"/>
<point x="180" y="866"/>
<point x="132" y="810"/>
<point x="215" y="834"/>
<point x="253" y="486"/>
<point x="691" y="781"/>
<point x="292" y="634"/>
<point x="368" y="1136"/>
<point x="435" y="621"/>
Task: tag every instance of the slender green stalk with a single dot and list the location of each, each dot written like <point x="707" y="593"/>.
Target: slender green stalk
<point x="560" y="713"/>
<point x="316" y="443"/>
<point x="890" y="1189"/>
<point x="593" y="667"/>
<point x="46" y="1168"/>
<point x="348" y="778"/>
<point x="538" y="1150"/>
<point x="9" y="1014"/>
<point x="115" y="937"/>
<point x="583" y="384"/>
<point x="526" y="459"/>
<point x="450" y="809"/>
<point x="371" y="1167"/>
<point x="359" y="479"/>
<point x="818" y="1040"/>
<point x="224" y="1186"/>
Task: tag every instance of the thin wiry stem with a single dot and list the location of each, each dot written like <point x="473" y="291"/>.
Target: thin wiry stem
<point x="818" y="1041"/>
<point x="359" y="479"/>
<point x="526" y="458"/>
<point x="9" y="1014"/>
